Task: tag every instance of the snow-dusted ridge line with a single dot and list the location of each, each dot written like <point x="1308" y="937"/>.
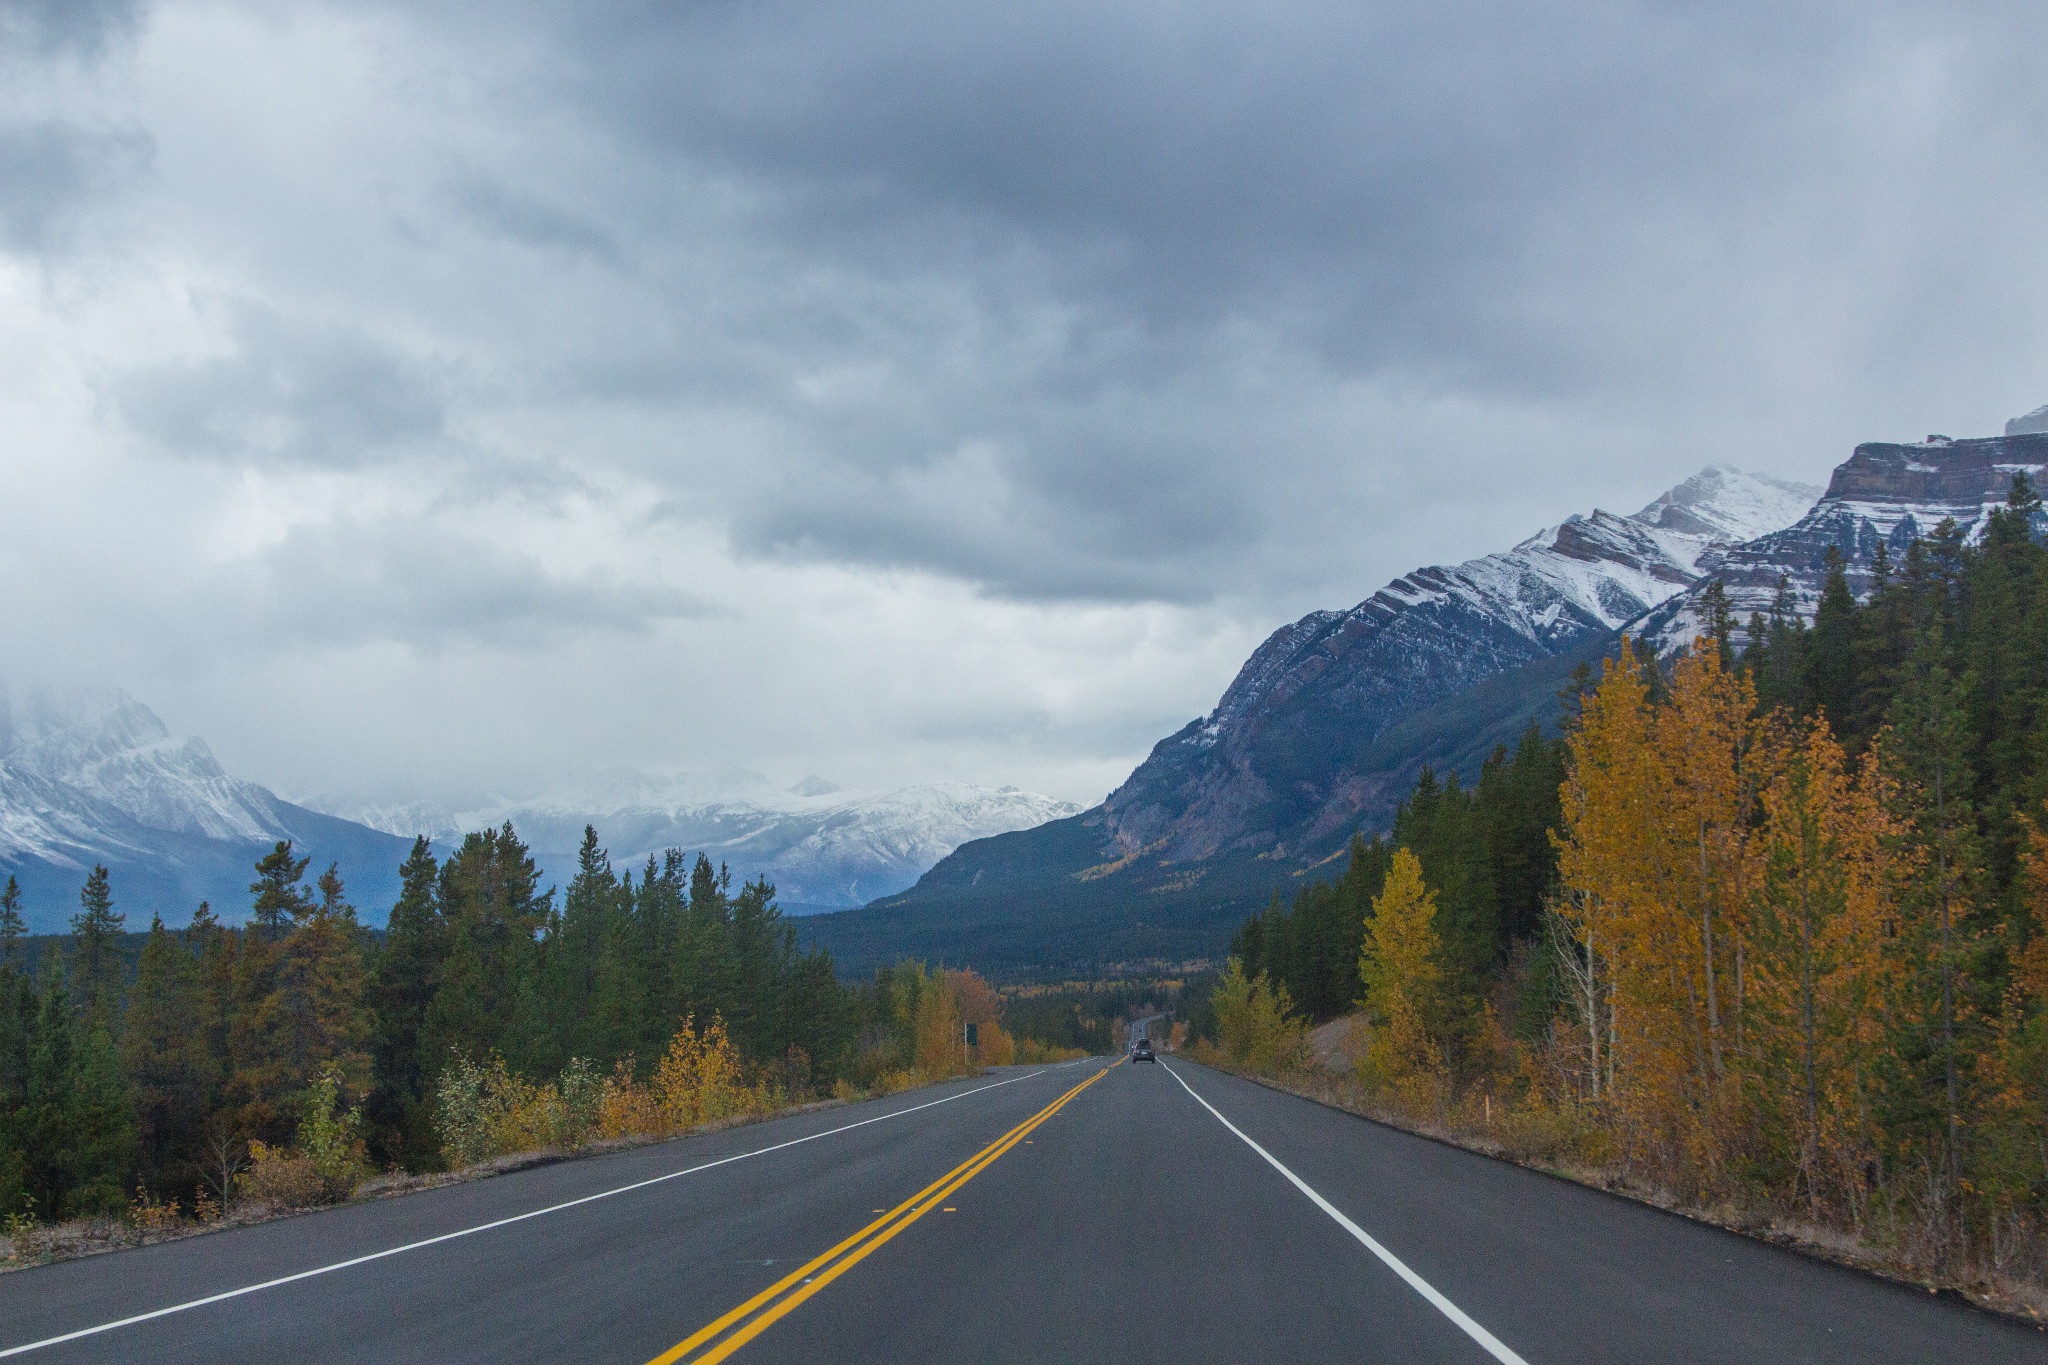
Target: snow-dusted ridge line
<point x="95" y="776"/>
<point x="821" y="845"/>
<point x="1336" y="681"/>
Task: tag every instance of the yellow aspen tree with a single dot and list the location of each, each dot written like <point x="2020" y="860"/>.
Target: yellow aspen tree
<point x="1599" y="848"/>
<point x="1703" y="786"/>
<point x="1402" y="974"/>
<point x="1655" y="864"/>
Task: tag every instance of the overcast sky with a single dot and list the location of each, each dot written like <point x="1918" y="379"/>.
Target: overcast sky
<point x="421" y="400"/>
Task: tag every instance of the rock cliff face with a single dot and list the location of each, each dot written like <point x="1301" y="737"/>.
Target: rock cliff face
<point x="1266" y="768"/>
<point x="1883" y="494"/>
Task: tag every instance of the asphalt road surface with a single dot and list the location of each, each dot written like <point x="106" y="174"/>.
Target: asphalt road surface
<point x="1084" y="1212"/>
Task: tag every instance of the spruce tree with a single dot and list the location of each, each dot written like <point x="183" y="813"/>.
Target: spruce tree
<point x="1933" y="733"/>
<point x="46" y="1121"/>
<point x="279" y="896"/>
<point x="402" y="983"/>
<point x="321" y="983"/>
<point x="12" y="927"/>
<point x="96" y="929"/>
<point x="170" y="1069"/>
<point x="101" y="1150"/>
<point x="1830" y="663"/>
<point x="18" y="1014"/>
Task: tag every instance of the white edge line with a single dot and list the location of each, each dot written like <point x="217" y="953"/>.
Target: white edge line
<point x="499" y="1223"/>
<point x="1493" y="1344"/>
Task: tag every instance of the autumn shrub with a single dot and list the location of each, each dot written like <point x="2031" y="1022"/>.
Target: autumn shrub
<point x="700" y="1080"/>
<point x="625" y="1107"/>
<point x="993" y="1047"/>
<point x="147" y="1213"/>
<point x="581" y="1093"/>
<point x="1256" y="1024"/>
<point x="279" y="1178"/>
<point x="324" y="1165"/>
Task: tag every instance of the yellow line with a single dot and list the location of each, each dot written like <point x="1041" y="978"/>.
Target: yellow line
<point x="894" y="1221"/>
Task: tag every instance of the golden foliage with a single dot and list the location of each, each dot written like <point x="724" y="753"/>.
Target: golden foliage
<point x="1257" y="1025"/>
<point x="1403" y="978"/>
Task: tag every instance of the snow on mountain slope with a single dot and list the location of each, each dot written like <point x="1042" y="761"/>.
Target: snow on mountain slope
<point x="1725" y="504"/>
<point x="90" y="777"/>
<point x="1266" y="752"/>
<point x="68" y="758"/>
<point x="823" y="847"/>
<point x="1885" y="494"/>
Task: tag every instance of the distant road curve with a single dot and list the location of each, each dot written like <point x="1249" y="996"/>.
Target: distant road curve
<point x="1084" y="1212"/>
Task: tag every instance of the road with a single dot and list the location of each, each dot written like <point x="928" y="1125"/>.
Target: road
<point x="1083" y="1212"/>
<point x="1139" y="1028"/>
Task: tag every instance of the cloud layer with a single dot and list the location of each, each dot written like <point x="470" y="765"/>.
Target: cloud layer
<point x="406" y="397"/>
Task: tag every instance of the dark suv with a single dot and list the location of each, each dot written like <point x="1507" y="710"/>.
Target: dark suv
<point x="1141" y="1051"/>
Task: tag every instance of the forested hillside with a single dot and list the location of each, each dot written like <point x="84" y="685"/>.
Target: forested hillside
<point x="1769" y="928"/>
<point x="488" y="1017"/>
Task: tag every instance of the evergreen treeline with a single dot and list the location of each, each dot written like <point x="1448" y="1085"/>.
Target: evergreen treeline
<point x="162" y="1078"/>
<point x="1488" y="852"/>
<point x="1778" y="932"/>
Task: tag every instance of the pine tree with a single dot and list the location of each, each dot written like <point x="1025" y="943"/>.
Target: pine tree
<point x="402" y="984"/>
<point x="321" y="984"/>
<point x="96" y="958"/>
<point x="1831" y="652"/>
<point x="1720" y="622"/>
<point x="170" y="1069"/>
<point x="12" y="926"/>
<point x="100" y="1122"/>
<point x="280" y="899"/>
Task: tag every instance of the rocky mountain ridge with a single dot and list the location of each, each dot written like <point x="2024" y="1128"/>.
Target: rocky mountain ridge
<point x="1222" y="782"/>
<point x="1884" y="494"/>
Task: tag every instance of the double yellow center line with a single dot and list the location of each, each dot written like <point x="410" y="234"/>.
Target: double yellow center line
<point x="722" y="1336"/>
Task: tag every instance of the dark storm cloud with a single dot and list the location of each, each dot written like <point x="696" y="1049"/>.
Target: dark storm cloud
<point x="53" y="173"/>
<point x="317" y="394"/>
<point x="499" y="210"/>
<point x="419" y="583"/>
<point x="1075" y="222"/>
<point x="79" y="28"/>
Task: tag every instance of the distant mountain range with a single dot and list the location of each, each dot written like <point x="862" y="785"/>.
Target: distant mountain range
<point x="95" y="777"/>
<point x="823" y="847"/>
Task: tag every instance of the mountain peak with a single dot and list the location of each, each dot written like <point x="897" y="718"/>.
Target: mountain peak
<point x="2035" y="421"/>
<point x="815" y="785"/>
<point x="1730" y="505"/>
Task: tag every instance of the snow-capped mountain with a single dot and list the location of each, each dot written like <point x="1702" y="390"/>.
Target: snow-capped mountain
<point x="823" y="847"/>
<point x="92" y="777"/>
<point x="1885" y="494"/>
<point x="1427" y="636"/>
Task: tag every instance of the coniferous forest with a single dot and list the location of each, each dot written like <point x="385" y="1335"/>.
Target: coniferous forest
<point x="293" y="1056"/>
<point x="1763" y="927"/>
